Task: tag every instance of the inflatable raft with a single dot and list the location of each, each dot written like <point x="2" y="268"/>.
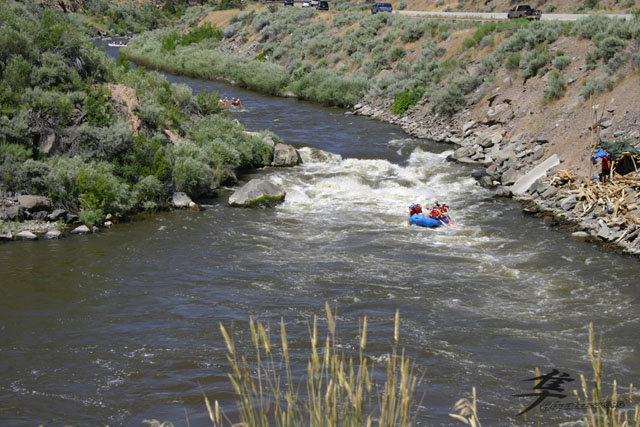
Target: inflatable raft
<point x="423" y="221"/>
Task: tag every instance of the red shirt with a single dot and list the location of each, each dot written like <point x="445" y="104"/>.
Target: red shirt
<point x="606" y="163"/>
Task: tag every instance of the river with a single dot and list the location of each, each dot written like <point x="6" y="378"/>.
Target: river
<point x="122" y="326"/>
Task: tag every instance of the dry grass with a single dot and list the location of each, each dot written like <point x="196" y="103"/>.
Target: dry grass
<point x="604" y="410"/>
<point x="338" y="389"/>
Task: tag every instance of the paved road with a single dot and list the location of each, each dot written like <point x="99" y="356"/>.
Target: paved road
<point x="503" y="16"/>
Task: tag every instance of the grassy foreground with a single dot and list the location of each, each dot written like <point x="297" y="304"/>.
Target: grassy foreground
<point x="345" y="391"/>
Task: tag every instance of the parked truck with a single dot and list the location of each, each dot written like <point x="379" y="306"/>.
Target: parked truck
<point x="524" y="11"/>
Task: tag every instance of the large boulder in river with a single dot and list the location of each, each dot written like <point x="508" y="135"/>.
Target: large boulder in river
<point x="34" y="203"/>
<point x="257" y="192"/>
<point x="285" y="155"/>
<point x="181" y="200"/>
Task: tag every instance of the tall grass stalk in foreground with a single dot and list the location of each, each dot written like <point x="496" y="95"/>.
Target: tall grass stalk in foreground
<point x="339" y="390"/>
<point x="604" y="411"/>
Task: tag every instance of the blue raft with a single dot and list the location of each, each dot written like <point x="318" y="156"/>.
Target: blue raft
<point x="423" y="221"/>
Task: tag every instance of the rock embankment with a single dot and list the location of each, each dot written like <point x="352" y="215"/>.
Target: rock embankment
<point x="523" y="167"/>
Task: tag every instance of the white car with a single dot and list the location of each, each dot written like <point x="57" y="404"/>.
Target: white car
<point x="305" y="4"/>
<point x="314" y="3"/>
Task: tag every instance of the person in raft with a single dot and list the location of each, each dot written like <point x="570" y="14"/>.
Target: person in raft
<point x="436" y="211"/>
<point x="414" y="209"/>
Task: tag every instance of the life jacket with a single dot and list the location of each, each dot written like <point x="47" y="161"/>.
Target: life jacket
<point x="417" y="209"/>
<point x="444" y="210"/>
<point x="435" y="212"/>
<point x="606" y="163"/>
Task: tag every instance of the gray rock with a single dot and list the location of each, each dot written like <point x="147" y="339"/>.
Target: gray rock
<point x="14" y="213"/>
<point x="108" y="224"/>
<point x="605" y="124"/>
<point x="568" y="203"/>
<point x="181" y="200"/>
<point x="83" y="229"/>
<point x="605" y="233"/>
<point x="94" y="229"/>
<point x="618" y="133"/>
<point x="71" y="218"/>
<point x="40" y="215"/>
<point x="463" y="152"/>
<point x="580" y="236"/>
<point x="495" y="111"/>
<point x="549" y="192"/>
<point x="34" y="203"/>
<point x="538" y="153"/>
<point x="285" y="155"/>
<point x="526" y="181"/>
<point x="56" y="215"/>
<point x="468" y="125"/>
<point x="486" y="181"/>
<point x="503" y="192"/>
<point x="5" y="234"/>
<point x="53" y="234"/>
<point x="541" y="140"/>
<point x="257" y="192"/>
<point x="26" y="235"/>
<point x="510" y="177"/>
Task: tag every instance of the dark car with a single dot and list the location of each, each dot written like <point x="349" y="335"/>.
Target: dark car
<point x="381" y="7"/>
<point x="323" y="5"/>
<point x="288" y="2"/>
<point x="524" y="11"/>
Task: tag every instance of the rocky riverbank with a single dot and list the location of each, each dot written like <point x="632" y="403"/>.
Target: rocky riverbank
<point x="34" y="217"/>
<point x="523" y="165"/>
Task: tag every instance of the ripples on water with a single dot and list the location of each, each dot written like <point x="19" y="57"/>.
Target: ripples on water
<point x="123" y="326"/>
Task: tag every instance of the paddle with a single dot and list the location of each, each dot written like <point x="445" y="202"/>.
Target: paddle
<point x="450" y="221"/>
<point x="406" y="223"/>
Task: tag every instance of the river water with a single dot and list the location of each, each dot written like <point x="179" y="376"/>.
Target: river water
<point x="122" y="326"/>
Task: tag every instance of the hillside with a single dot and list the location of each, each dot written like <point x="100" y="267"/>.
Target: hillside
<point x="508" y="94"/>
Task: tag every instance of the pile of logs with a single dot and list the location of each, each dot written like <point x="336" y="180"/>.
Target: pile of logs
<point x="619" y="197"/>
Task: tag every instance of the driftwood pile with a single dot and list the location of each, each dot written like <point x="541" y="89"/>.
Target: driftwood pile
<point x="617" y="200"/>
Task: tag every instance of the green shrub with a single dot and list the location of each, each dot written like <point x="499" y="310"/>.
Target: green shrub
<point x="91" y="217"/>
<point x="591" y="58"/>
<point x="412" y="30"/>
<point x="555" y="87"/>
<point x="396" y="53"/>
<point x="104" y="143"/>
<point x="229" y="4"/>
<point x="448" y="100"/>
<point x="404" y="100"/>
<point x="513" y="62"/>
<point x="97" y="107"/>
<point x="482" y="31"/>
<point x="330" y="88"/>
<point x="593" y="86"/>
<point x="148" y="189"/>
<point x="97" y="188"/>
<point x="203" y="32"/>
<point x="533" y="63"/>
<point x="181" y="94"/>
<point x="15" y="128"/>
<point x="610" y="45"/>
<point x="561" y="62"/>
<point x="618" y="61"/>
<point x="208" y="102"/>
<point x="192" y="176"/>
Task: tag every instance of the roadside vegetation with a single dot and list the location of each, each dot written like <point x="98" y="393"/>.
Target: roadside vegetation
<point x="409" y="61"/>
<point x="66" y="133"/>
